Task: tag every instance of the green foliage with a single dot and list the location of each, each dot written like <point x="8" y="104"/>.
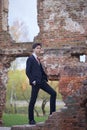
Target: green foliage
<point x="14" y="119"/>
<point x="18" y="85"/>
<point x="18" y="89"/>
<point x="19" y="119"/>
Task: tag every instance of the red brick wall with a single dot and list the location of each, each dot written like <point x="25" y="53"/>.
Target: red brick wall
<point x="62" y="22"/>
<point x="63" y="32"/>
<point x="63" y="28"/>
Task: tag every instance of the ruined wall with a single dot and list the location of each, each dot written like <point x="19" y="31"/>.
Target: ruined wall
<point x="8" y="52"/>
<point x="3" y="70"/>
<point x="63" y="32"/>
<point x="63" y="22"/>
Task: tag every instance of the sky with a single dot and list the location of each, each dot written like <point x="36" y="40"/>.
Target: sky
<point x="25" y="11"/>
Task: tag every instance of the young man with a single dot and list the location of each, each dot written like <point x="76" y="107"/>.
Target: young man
<point x="38" y="80"/>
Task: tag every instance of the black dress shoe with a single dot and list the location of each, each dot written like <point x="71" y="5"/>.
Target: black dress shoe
<point x="32" y="122"/>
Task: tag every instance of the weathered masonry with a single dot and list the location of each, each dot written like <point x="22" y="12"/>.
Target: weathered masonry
<point x="63" y="32"/>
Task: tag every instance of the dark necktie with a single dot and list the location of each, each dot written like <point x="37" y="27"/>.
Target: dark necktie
<point x="38" y="60"/>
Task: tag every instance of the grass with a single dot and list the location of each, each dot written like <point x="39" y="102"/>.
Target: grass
<point x="19" y="119"/>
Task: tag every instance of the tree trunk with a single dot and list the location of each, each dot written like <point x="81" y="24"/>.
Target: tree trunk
<point x="43" y="106"/>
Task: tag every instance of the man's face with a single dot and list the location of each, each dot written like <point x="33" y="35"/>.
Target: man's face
<point x="37" y="50"/>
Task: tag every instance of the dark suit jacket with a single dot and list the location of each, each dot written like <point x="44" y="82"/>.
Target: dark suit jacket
<point x="34" y="71"/>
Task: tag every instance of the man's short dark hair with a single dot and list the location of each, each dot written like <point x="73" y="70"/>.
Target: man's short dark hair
<point x="35" y="45"/>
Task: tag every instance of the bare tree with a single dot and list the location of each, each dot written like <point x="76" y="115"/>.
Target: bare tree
<point x="19" y="31"/>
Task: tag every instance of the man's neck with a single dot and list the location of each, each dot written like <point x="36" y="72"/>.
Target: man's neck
<point x="34" y="54"/>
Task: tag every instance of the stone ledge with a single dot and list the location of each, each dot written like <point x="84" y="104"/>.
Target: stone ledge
<point x="5" y="128"/>
<point x="28" y="127"/>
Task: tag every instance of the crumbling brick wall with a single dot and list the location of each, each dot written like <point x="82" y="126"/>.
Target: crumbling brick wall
<point x="63" y="28"/>
<point x="63" y="32"/>
<point x="63" y="22"/>
<point x="8" y="52"/>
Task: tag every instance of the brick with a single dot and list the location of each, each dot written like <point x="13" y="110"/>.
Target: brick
<point x="63" y="32"/>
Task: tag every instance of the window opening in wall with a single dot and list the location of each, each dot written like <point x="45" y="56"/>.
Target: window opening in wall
<point x="22" y="19"/>
<point x="19" y="92"/>
<point x="17" y="88"/>
<point x="83" y="58"/>
<point x="19" y="63"/>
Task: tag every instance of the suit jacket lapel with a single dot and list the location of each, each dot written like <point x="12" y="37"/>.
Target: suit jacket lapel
<point x="35" y="60"/>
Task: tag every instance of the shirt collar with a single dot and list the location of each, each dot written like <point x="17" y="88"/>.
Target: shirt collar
<point x="35" y="55"/>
